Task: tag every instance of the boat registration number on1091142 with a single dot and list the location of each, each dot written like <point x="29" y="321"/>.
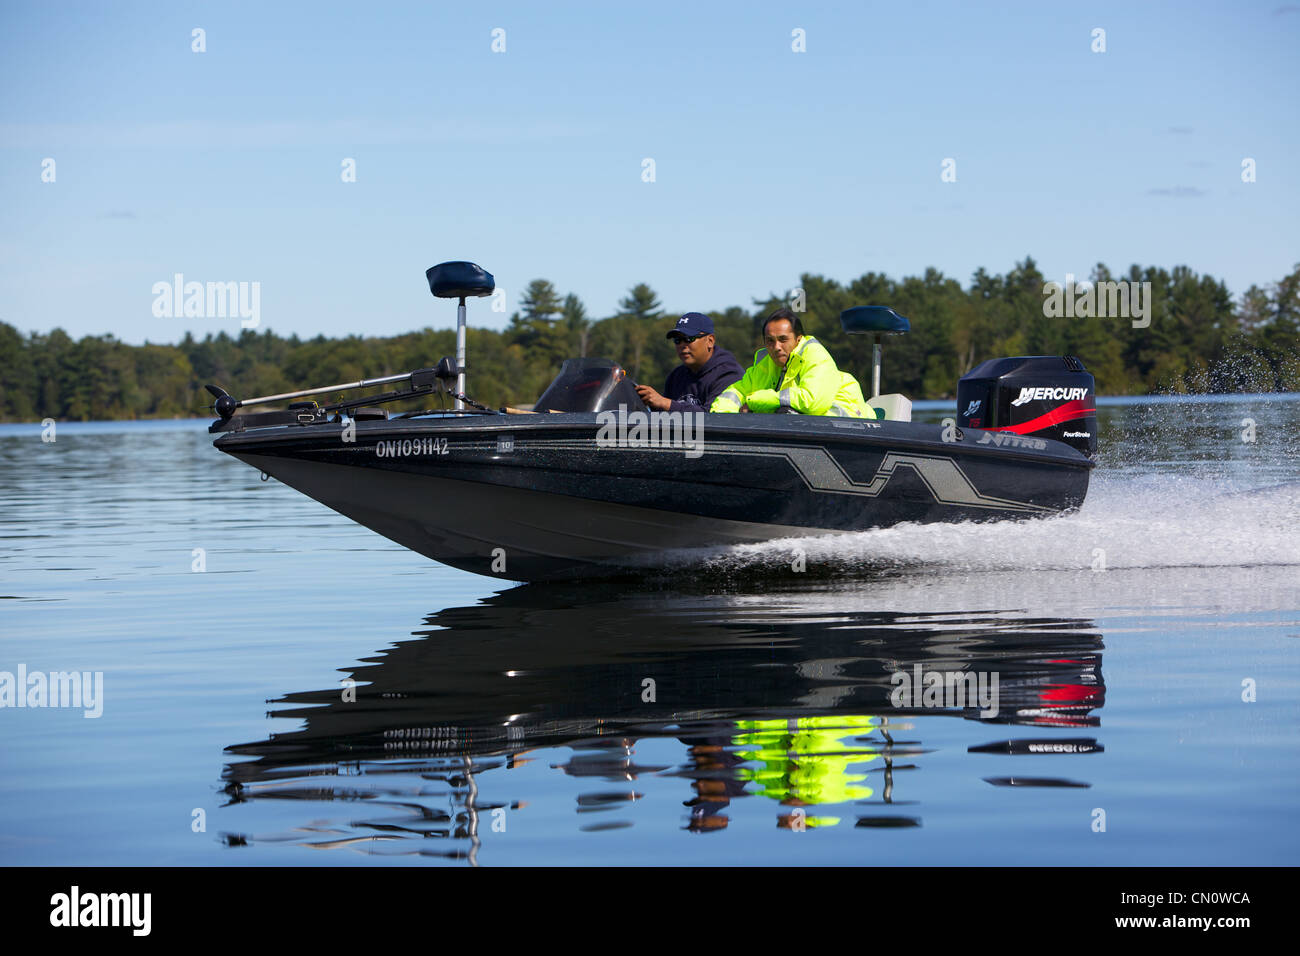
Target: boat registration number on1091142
<point x="411" y="446"/>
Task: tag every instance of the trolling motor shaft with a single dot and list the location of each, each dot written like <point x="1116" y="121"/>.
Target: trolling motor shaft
<point x="459" y="280"/>
<point x="421" y="381"/>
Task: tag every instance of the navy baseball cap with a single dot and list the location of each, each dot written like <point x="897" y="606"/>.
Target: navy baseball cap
<point x="692" y="324"/>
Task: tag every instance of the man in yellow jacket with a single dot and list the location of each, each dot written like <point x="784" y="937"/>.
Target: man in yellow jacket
<point x="794" y="373"/>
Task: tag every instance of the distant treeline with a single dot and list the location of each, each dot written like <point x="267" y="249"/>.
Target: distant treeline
<point x="1199" y="340"/>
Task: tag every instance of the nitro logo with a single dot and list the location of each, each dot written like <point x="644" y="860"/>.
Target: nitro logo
<point x="1050" y="394"/>
<point x="1011" y="441"/>
<point x="102" y="909"/>
<point x="624" y="429"/>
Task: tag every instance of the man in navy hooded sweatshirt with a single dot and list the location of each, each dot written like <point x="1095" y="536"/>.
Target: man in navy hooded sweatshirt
<point x="704" y="374"/>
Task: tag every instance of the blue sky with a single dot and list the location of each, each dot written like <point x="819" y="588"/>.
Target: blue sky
<point x="225" y="165"/>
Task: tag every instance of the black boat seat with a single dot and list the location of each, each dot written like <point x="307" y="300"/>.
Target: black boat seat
<point x="873" y="319"/>
<point x="457" y="280"/>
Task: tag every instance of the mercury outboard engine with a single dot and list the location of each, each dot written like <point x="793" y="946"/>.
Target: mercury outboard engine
<point x="1042" y="395"/>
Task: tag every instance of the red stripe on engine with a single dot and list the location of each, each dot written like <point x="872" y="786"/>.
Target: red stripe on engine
<point x="1062" y="413"/>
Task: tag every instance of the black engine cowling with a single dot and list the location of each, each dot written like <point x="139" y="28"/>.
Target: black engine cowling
<point x="1046" y="396"/>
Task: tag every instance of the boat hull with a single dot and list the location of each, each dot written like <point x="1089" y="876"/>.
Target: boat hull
<point x="541" y="498"/>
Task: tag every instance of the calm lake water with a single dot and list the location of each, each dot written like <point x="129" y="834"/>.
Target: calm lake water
<point x="1145" y="649"/>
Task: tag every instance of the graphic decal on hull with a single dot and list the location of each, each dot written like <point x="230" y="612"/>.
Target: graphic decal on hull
<point x="820" y="471"/>
<point x="946" y="481"/>
<point x="942" y="476"/>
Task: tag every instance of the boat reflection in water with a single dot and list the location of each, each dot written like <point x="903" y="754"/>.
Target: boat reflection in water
<point x="787" y="696"/>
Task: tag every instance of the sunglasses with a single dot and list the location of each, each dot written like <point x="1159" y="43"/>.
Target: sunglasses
<point x="682" y="339"/>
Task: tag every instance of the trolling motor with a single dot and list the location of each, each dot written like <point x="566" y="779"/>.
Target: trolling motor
<point x="420" y="382"/>
<point x="447" y="280"/>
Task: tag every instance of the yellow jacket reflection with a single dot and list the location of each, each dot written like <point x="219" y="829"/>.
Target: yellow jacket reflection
<point x="806" y="761"/>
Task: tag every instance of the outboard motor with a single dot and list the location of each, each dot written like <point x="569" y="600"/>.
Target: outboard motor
<point x="589" y="385"/>
<point x="1042" y="395"/>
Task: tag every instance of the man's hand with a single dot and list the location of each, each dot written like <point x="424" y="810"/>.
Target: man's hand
<point x="653" y="399"/>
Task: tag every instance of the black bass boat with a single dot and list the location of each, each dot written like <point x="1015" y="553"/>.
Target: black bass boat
<point x="589" y="481"/>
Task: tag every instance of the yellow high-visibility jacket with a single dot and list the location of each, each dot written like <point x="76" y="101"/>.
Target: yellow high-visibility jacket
<point x="811" y="384"/>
